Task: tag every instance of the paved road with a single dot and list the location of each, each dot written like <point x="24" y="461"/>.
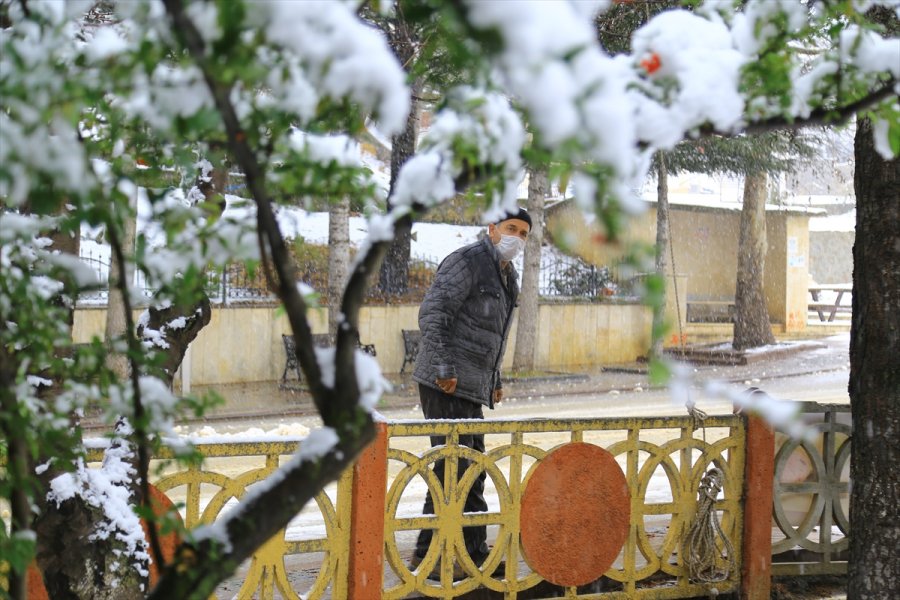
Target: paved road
<point x="817" y="373"/>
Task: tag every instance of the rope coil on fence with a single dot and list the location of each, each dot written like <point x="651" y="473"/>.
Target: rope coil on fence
<point x="701" y="550"/>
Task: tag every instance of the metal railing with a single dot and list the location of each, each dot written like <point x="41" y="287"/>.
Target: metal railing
<point x="811" y="495"/>
<point x="315" y="544"/>
<point x="560" y="277"/>
<point x="663" y="459"/>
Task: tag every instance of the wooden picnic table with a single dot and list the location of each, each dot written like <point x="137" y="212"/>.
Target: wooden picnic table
<point x="821" y="307"/>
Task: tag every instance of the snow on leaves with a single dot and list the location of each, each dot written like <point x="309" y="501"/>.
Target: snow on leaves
<point x="339" y="57"/>
<point x="475" y="128"/>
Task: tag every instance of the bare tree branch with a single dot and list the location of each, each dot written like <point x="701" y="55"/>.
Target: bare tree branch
<point x="270" y="511"/>
<point x="821" y="116"/>
<point x="210" y="561"/>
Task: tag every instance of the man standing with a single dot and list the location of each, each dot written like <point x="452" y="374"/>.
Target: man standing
<point x="464" y="320"/>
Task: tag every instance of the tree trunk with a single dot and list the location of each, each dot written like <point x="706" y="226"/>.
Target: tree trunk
<point x="19" y="466"/>
<point x="86" y="570"/>
<point x="191" y="319"/>
<point x="84" y="556"/>
<point x="751" y="316"/>
<point x="526" y="334"/>
<point x="874" y="570"/>
<point x="74" y="561"/>
<point x="662" y="250"/>
<point x="212" y="183"/>
<point x="394" y="274"/>
<point x="115" y="305"/>
<point x="338" y="258"/>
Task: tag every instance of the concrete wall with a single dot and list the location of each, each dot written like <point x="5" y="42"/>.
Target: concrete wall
<point x="243" y="344"/>
<point x="831" y="256"/>
<point x="704" y="244"/>
<point x="796" y="273"/>
<point x="705" y="248"/>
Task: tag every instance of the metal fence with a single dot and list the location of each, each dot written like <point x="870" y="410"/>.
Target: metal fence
<point x="812" y="495"/>
<point x="662" y="459"/>
<point x="100" y="294"/>
<point x="560" y="276"/>
<point x="569" y="277"/>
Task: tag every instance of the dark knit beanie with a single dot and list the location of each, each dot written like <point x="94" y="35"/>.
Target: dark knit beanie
<point x="522" y="215"/>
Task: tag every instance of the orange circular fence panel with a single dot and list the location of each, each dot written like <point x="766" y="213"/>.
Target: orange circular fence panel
<point x="575" y="514"/>
<point x="168" y="542"/>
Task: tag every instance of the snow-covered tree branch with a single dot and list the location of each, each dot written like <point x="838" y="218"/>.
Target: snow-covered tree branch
<point x="104" y="105"/>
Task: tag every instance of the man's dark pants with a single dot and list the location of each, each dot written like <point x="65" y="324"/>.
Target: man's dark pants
<point x="438" y="405"/>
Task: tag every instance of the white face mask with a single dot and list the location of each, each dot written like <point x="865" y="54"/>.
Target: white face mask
<point x="509" y="246"/>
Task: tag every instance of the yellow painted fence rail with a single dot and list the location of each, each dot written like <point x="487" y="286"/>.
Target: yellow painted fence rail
<point x="663" y="460"/>
<point x="356" y="539"/>
<point x="319" y="555"/>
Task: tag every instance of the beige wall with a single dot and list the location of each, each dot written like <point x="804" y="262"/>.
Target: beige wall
<point x="705" y="248"/>
<point x="797" y="273"/>
<point x="582" y="335"/>
<point x="244" y="344"/>
<point x="381" y="325"/>
<point x="776" y="264"/>
<point x="831" y="256"/>
<point x="704" y="244"/>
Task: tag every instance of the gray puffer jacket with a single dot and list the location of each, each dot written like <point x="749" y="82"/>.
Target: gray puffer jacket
<point x="464" y="320"/>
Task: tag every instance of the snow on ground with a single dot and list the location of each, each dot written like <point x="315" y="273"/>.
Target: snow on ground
<point x="844" y="222"/>
<point x="208" y="435"/>
<point x="432" y="241"/>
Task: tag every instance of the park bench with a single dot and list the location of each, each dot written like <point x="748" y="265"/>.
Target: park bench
<point x="411" y="340"/>
<point x="710" y="311"/>
<point x="290" y="363"/>
<point x="321" y="340"/>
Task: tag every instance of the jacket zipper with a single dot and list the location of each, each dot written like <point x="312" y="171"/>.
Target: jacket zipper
<point x="502" y="337"/>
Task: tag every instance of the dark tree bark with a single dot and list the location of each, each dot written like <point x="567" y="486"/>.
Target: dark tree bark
<point x="526" y="333"/>
<point x="213" y="184"/>
<point x="196" y="317"/>
<point x="75" y="562"/>
<point x="874" y="570"/>
<point x="97" y="572"/>
<point x="751" y="315"/>
<point x="394" y="274"/>
<point x="662" y="249"/>
<point x="18" y="460"/>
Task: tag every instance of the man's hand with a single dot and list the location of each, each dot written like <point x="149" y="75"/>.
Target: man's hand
<point x="448" y="386"/>
<point x="498" y="395"/>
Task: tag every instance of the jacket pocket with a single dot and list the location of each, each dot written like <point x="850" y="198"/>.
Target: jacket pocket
<point x="489" y="291"/>
<point x="490" y="307"/>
